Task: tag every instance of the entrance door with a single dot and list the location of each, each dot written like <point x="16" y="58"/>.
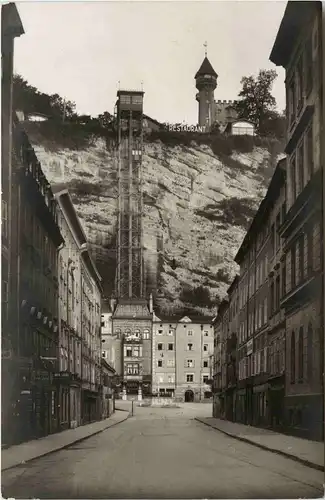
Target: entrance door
<point x="189" y="396"/>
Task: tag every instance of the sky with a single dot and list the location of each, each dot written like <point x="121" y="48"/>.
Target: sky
<point x="82" y="50"/>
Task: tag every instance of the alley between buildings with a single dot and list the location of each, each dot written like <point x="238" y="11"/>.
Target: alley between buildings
<point x="162" y="453"/>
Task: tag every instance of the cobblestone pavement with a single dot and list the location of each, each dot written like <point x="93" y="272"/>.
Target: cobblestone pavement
<point x="162" y="453"/>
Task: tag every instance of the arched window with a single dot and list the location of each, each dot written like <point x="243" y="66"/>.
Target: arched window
<point x="293" y="358"/>
<point x="310" y="352"/>
<point x="301" y="355"/>
<point x="137" y="333"/>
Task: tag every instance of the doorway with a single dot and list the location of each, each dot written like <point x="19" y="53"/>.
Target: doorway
<point x="189" y="396"/>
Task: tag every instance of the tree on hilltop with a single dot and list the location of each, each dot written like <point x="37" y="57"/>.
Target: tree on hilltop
<point x="256" y="103"/>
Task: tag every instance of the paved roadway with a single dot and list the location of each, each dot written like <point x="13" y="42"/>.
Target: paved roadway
<point x="162" y="453"/>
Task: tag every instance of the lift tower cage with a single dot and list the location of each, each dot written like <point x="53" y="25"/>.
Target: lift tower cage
<point x="130" y="283"/>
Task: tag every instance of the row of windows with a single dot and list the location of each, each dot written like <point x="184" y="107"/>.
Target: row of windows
<point x="276" y="354"/>
<point x="170" y="363"/>
<point x="166" y="377"/>
<point x="190" y="378"/>
<point x="253" y="365"/>
<point x="160" y="331"/>
<point x="134" y="351"/>
<point x="135" y="333"/>
<point x="133" y="368"/>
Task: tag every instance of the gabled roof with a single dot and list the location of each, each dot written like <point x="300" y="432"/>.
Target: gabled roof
<point x="11" y="24"/>
<point x="295" y="18"/>
<point x="206" y="69"/>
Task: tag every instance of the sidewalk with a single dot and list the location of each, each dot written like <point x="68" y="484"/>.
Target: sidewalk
<point x="24" y="452"/>
<point x="310" y="453"/>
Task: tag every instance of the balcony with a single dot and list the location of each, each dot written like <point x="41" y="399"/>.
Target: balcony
<point x="129" y="376"/>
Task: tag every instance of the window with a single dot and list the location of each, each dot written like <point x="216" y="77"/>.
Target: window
<point x="300" y="84"/>
<point x="103" y="354"/>
<point x="284" y="271"/>
<point x="300" y="168"/>
<point x="301" y="355"/>
<point x="128" y="352"/>
<point x="145" y="335"/>
<point x="272" y="239"/>
<point x="277" y="236"/>
<point x="205" y="379"/>
<point x="171" y="379"/>
<point x="170" y="332"/>
<point x="272" y="297"/>
<point x="160" y="347"/>
<point x="310" y="152"/>
<point x="170" y="347"/>
<point x="205" y="347"/>
<point x="189" y="377"/>
<point x="310" y="352"/>
<point x="277" y="292"/>
<point x="293" y="267"/>
<point x="205" y="364"/>
<point x="132" y="369"/>
<point x="301" y="258"/>
<point x="310" y="251"/>
<point x="170" y="363"/>
<point x="190" y="333"/>
<point x="160" y="332"/>
<point x="136" y="351"/>
<point x="292" y="102"/>
<point x="190" y="347"/>
<point x="293" y="358"/>
<point x="309" y="66"/>
<point x="189" y="363"/>
<point x="206" y="334"/>
<point x="293" y="177"/>
<point x="160" y="363"/>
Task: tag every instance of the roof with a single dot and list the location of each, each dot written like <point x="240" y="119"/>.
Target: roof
<point x="178" y="319"/>
<point x="131" y="309"/>
<point x="130" y="92"/>
<point x="11" y="24"/>
<point x="65" y="203"/>
<point x="107" y="366"/>
<point x="266" y="204"/>
<point x="146" y="117"/>
<point x="206" y="69"/>
<point x="295" y="18"/>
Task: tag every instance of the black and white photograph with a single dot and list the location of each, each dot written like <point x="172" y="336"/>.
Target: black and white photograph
<point x="162" y="249"/>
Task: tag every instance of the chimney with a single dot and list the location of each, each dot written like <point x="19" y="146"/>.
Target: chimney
<point x="151" y="304"/>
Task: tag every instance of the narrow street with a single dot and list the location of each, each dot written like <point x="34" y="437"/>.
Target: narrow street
<point x="162" y="453"/>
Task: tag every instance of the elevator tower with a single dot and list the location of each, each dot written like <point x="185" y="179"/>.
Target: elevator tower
<point x="132" y="317"/>
<point x="130" y="275"/>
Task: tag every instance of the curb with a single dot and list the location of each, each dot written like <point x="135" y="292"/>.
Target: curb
<point x="63" y="447"/>
<point x="307" y="463"/>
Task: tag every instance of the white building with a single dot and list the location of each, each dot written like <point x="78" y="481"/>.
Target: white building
<point x="240" y="127"/>
<point x="79" y="322"/>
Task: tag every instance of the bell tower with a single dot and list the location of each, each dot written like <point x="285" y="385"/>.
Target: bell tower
<point x="206" y="83"/>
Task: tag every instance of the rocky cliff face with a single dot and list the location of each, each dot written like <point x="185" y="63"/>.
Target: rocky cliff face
<point x="197" y="208"/>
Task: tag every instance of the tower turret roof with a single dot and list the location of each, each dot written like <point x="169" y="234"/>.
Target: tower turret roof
<point x="206" y="69"/>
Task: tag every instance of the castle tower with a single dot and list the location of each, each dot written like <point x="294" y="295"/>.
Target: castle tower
<point x="206" y="83"/>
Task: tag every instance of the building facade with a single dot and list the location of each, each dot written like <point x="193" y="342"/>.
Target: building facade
<point x="194" y="346"/>
<point x="34" y="305"/>
<point x="11" y="27"/>
<point x="301" y="230"/>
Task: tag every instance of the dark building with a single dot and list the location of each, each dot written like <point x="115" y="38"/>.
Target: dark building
<point x="11" y="27"/>
<point x="298" y="49"/>
<point x="34" y="297"/>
